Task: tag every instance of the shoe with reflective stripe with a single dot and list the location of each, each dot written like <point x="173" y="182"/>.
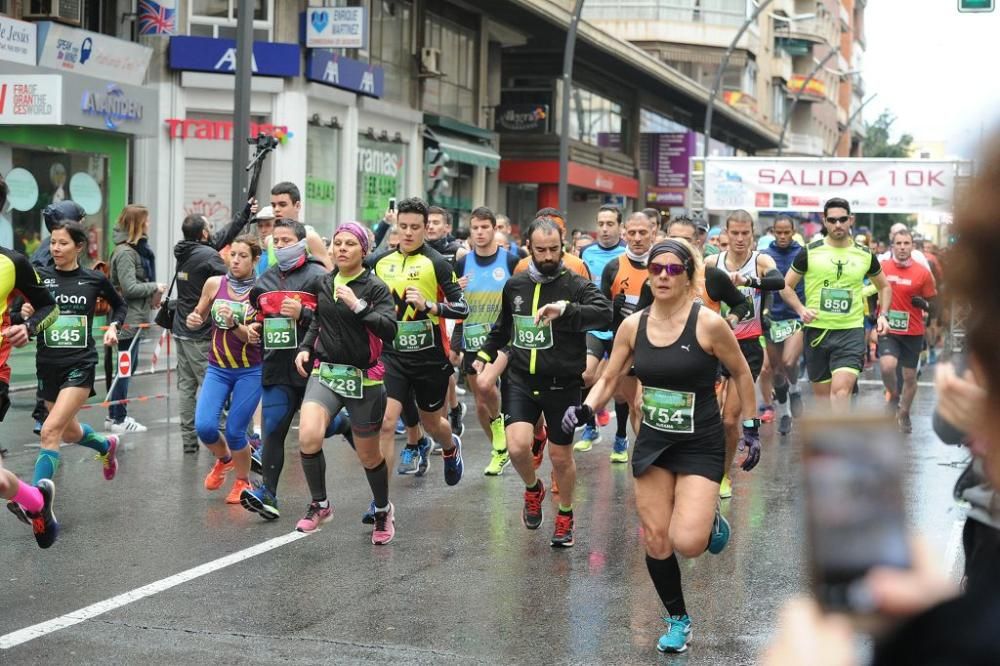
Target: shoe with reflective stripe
<point x="409" y="460"/>
<point x="589" y="437"/>
<point x="538" y="448"/>
<point x="110" y="459"/>
<point x="259" y="500"/>
<point x="217" y="475"/>
<point x="455" y="418"/>
<point x="562" y="536"/>
<point x="726" y="488"/>
<point x="677" y="636"/>
<point x="498" y="462"/>
<point x="256" y="462"/>
<point x="720" y="533"/>
<point x="400" y="427"/>
<point x="315" y="516"/>
<point x="44" y="523"/>
<point x="368" y="518"/>
<point x="253" y="441"/>
<point x="453" y="464"/>
<point x="128" y="426"/>
<point x="236" y="492"/>
<point x="18" y="512"/>
<point x="385" y="526"/>
<point x="423" y="455"/>
<point x="619" y="453"/>
<point x="531" y="514"/>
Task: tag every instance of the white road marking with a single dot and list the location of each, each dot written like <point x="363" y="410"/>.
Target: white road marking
<point x="877" y="382"/>
<point x="44" y="628"/>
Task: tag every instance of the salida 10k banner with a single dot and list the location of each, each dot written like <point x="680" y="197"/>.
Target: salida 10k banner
<point x="803" y="184"/>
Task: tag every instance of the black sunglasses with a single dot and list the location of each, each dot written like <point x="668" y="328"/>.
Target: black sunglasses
<point x="843" y="219"/>
<point x="672" y="269"/>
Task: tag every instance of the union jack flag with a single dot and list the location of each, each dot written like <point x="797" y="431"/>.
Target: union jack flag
<point x="157" y="18"/>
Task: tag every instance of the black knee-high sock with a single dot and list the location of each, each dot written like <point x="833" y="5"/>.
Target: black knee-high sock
<point x="314" y="466"/>
<point x="378" y="480"/>
<point x="583" y="396"/>
<point x="666" y="575"/>
<point x="621" y="414"/>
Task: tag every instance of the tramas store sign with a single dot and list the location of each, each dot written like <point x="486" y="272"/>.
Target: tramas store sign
<point x="216" y="130"/>
<point x="803" y="184"/>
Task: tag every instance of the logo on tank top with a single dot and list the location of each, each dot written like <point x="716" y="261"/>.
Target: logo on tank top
<point x="686" y="348"/>
<point x="498" y="274"/>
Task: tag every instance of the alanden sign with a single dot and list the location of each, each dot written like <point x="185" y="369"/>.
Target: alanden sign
<point x="802" y="185"/>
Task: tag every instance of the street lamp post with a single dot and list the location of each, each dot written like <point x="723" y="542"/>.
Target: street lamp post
<point x="795" y="100"/>
<point x="241" y="102"/>
<point x="710" y="107"/>
<point x="567" y="88"/>
<point x="857" y="111"/>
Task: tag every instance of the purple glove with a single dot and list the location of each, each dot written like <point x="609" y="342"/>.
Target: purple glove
<point x="574" y="416"/>
<point x="751" y="442"/>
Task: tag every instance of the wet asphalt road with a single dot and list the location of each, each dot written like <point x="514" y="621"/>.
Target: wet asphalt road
<point x="463" y="582"/>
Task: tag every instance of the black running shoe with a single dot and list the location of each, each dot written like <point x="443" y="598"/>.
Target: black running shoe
<point x="44" y="523"/>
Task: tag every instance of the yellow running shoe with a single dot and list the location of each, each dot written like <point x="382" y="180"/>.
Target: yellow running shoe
<point x="498" y="463"/>
<point x="498" y="434"/>
<point x="726" y="488"/>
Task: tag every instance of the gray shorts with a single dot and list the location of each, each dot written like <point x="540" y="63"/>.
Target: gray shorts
<point x="365" y="414"/>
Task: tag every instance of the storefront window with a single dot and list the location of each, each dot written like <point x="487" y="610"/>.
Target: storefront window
<point x="391" y="46"/>
<point x="322" y="176"/>
<point x="217" y="18"/>
<point x="594" y="119"/>
<point x="455" y="193"/>
<point x="381" y="176"/>
<point x="454" y="94"/>
<point x="37" y="178"/>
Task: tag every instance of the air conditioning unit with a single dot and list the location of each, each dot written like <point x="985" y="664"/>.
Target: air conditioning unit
<point x="430" y="60"/>
<point x="64" y="11"/>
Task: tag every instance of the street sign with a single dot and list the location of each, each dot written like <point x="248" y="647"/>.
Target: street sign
<point x="975" y="6"/>
<point x="124" y="364"/>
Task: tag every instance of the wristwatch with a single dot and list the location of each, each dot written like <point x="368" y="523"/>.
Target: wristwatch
<point x="751" y="423"/>
<point x="360" y="306"/>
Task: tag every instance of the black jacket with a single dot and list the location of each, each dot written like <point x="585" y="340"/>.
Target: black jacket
<point x="563" y="364"/>
<point x="196" y="262"/>
<point x="279" y="364"/>
<point x="338" y="335"/>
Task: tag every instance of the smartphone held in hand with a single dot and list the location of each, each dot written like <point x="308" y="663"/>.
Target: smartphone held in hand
<point x="854" y="507"/>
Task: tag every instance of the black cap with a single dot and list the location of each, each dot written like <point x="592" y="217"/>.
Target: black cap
<point x="64" y="210"/>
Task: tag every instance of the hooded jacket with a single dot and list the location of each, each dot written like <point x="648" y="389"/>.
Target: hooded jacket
<point x="129" y="276"/>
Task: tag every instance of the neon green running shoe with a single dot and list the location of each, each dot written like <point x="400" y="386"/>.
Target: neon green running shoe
<point x="498" y="462"/>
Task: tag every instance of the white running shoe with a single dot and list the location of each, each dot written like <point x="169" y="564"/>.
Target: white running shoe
<point x="128" y="426"/>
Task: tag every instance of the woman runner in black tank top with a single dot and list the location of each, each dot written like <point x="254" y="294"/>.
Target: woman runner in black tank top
<point x="675" y="346"/>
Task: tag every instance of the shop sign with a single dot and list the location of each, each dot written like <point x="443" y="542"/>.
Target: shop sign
<point x="671" y="154"/>
<point x="380" y="170"/>
<point x="523" y="118"/>
<point x="92" y="54"/>
<point x="33" y="99"/>
<point x="336" y="28"/>
<point x="18" y="41"/>
<point x="674" y="198"/>
<point x="206" y="54"/>
<point x="113" y="105"/>
<point x="216" y="130"/>
<point x="803" y="184"/>
<point x="330" y="69"/>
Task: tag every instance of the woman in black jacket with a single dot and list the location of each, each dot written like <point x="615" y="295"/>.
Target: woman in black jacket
<point x="355" y="315"/>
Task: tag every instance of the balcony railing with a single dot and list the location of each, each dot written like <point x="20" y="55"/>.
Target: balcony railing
<point x="657" y="10"/>
<point x="803" y="144"/>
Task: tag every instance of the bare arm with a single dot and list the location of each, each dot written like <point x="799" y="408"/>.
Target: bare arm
<point x="618" y="365"/>
<point x="884" y="301"/>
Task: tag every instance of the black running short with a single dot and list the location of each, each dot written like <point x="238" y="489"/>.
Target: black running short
<point x="906" y="348"/>
<point x="52" y="379"/>
<point x="830" y="350"/>
<point x="598" y="347"/>
<point x="428" y="382"/>
<point x="522" y="404"/>
<point x="365" y="413"/>
<point x="704" y="455"/>
<point x="4" y="399"/>
<point x="753" y="352"/>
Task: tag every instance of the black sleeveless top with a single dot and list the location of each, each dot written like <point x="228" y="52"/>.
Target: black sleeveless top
<point x="684" y="369"/>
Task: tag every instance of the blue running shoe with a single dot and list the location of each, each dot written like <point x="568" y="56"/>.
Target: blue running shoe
<point x="589" y="437"/>
<point x="400" y="427"/>
<point x="423" y="455"/>
<point x="409" y="460"/>
<point x="369" y="516"/>
<point x="720" y="533"/>
<point x="256" y="465"/>
<point x="259" y="500"/>
<point x="620" y="452"/>
<point x="453" y="465"/>
<point x="253" y="441"/>
<point x="677" y="636"/>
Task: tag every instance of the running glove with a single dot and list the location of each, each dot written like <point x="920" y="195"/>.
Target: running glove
<point x="750" y="441"/>
<point x="574" y="416"/>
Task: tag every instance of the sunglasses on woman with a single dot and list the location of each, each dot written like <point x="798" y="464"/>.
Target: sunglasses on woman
<point x="672" y="270"/>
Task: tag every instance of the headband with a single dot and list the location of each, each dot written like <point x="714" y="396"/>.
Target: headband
<point x="356" y="230"/>
<point x="677" y="249"/>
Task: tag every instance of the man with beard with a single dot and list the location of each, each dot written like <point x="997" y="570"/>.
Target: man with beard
<point x="546" y="305"/>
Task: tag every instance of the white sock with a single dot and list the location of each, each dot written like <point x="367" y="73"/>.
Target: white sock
<point x="784" y="408"/>
<point x="793" y="388"/>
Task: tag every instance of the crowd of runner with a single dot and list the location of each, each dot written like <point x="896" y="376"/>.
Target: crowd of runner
<point x="665" y="326"/>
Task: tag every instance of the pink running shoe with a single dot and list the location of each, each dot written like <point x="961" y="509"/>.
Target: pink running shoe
<point x="110" y="459"/>
<point x="315" y="516"/>
<point x="385" y="526"/>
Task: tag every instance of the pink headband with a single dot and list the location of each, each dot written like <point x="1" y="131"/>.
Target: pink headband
<point x="356" y="230"/>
